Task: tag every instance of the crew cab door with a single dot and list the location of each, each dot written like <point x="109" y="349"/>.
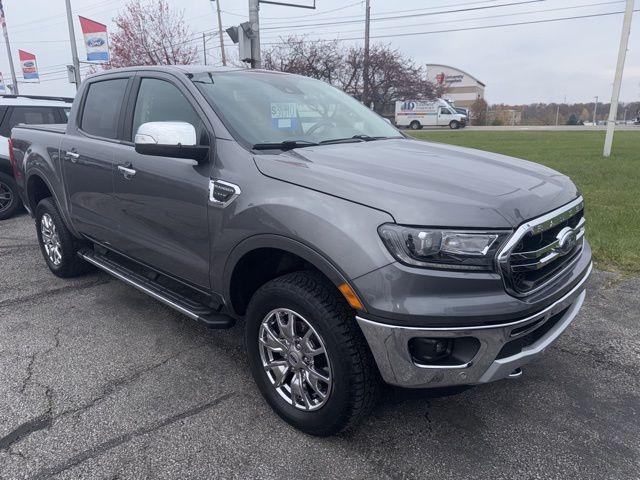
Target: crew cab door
<point x="162" y="202"/>
<point x="445" y="115"/>
<point x="87" y="157"/>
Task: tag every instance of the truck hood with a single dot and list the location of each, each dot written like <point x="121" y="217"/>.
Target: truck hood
<point x="427" y="184"/>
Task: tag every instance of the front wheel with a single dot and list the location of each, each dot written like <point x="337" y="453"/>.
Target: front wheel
<point x="454" y="125"/>
<point x="308" y="356"/>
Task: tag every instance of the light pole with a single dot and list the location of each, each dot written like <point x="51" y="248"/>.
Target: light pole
<point x="74" y="47"/>
<point x="595" y="111"/>
<point x="222" y="54"/>
<point x="254" y="20"/>
<point x="365" y="63"/>
<point x="14" y="80"/>
<point x="617" y="83"/>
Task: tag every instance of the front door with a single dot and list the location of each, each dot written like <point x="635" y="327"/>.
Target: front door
<point x="445" y="115"/>
<point x="163" y="202"/>
<point x="88" y="161"/>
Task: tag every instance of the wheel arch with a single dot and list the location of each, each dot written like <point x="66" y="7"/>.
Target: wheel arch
<point x="254" y="248"/>
<point x="37" y="187"/>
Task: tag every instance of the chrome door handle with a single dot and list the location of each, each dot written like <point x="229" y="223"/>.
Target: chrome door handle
<point x="126" y="171"/>
<point x="73" y="156"/>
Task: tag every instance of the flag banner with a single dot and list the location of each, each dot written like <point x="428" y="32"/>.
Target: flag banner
<point x="95" y="40"/>
<point x="29" y="66"/>
<point x="3" y="88"/>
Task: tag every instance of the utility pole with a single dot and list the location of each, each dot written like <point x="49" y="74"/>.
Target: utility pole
<point x="365" y="63"/>
<point x="204" y="47"/>
<point x="622" y="55"/>
<point x="254" y="20"/>
<point x="557" y="115"/>
<point x="222" y="55"/>
<point x="74" y="47"/>
<point x="595" y="111"/>
<point x="14" y="80"/>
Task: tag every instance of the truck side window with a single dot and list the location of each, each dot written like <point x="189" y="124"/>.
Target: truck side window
<point x="31" y="116"/>
<point x="102" y="107"/>
<point x="444" y="111"/>
<point x="160" y="101"/>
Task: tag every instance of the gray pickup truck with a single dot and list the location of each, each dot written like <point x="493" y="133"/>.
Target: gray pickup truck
<point x="351" y="252"/>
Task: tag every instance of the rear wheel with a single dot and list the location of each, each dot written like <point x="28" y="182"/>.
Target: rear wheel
<point x="9" y="198"/>
<point x="415" y="125"/>
<point x="308" y="356"/>
<point x="59" y="247"/>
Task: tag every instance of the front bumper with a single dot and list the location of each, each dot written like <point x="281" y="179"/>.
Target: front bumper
<point x="390" y="345"/>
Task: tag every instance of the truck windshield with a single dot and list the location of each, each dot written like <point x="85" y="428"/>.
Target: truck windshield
<point x="270" y="108"/>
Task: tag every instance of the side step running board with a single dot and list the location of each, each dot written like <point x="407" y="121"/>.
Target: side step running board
<point x="200" y="313"/>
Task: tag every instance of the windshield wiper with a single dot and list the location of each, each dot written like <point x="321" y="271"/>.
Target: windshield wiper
<point x="286" y="145"/>
<point x="355" y="138"/>
<point x="341" y="140"/>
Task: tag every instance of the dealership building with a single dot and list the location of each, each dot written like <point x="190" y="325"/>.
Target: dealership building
<point x="458" y="86"/>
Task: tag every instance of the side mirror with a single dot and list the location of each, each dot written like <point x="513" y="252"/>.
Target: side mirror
<point x="170" y="139"/>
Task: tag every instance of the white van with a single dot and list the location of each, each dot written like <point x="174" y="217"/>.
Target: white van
<point x="416" y="114"/>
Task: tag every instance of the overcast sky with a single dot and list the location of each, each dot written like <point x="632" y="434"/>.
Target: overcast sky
<point x="541" y="62"/>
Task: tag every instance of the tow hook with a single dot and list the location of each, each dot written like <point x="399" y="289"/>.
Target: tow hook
<point x="517" y="373"/>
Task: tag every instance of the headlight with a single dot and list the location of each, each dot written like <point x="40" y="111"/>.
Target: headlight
<point x="445" y="249"/>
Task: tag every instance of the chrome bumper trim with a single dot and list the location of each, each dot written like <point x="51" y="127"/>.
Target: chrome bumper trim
<point x="389" y="345"/>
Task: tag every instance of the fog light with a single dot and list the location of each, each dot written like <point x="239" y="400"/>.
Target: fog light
<point x="430" y="350"/>
<point x="443" y="352"/>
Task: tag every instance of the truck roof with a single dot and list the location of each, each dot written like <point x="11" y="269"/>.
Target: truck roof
<point x="184" y="69"/>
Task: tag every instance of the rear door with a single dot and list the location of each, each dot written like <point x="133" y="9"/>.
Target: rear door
<point x="162" y="207"/>
<point x="87" y="153"/>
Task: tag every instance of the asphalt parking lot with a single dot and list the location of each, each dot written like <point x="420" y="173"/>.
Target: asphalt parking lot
<point x="98" y="381"/>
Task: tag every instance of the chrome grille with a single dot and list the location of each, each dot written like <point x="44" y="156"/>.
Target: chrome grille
<point x="542" y="249"/>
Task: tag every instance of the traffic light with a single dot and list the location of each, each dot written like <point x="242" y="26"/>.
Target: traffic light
<point x="241" y="35"/>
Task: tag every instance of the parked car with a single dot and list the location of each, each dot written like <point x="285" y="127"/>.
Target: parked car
<point x="416" y="114"/>
<point x="350" y="251"/>
<point x="16" y="109"/>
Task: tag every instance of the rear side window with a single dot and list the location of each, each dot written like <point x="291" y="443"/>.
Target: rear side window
<point x="29" y="115"/>
<point x="102" y="107"/>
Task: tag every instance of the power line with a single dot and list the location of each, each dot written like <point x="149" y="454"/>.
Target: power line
<point x="396" y="17"/>
<point x="485" y="27"/>
<point x="486" y="17"/>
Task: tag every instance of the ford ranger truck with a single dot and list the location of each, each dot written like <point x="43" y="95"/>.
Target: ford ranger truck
<point x="350" y="252"/>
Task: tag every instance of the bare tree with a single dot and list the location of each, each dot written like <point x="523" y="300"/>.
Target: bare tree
<point x="392" y="76"/>
<point x="149" y="33"/>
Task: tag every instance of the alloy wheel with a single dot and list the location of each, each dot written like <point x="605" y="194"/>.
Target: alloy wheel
<point x="50" y="239"/>
<point x="295" y="359"/>
<point x="6" y="197"/>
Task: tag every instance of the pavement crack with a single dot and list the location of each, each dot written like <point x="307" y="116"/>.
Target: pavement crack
<point x="112" y="387"/>
<point x="39" y="423"/>
<point x="115" y="442"/>
<point x="47" y="293"/>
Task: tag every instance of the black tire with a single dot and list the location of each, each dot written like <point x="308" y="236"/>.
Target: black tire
<point x="415" y="125"/>
<point x="10" y="201"/>
<point x="454" y="125"/>
<point x="355" y="376"/>
<point x="70" y="264"/>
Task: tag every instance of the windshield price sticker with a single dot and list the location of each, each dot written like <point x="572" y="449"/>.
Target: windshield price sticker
<point x="284" y="115"/>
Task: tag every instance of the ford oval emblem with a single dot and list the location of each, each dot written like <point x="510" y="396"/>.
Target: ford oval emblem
<point x="94" y="42"/>
<point x="29" y="64"/>
<point x="567" y="240"/>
